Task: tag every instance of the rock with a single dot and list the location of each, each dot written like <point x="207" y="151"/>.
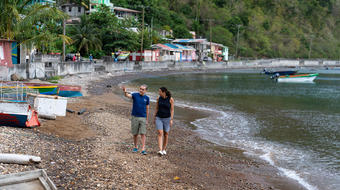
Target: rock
<point x="15" y="77"/>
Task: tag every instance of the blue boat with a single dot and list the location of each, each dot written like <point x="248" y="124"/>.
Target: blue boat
<point x="279" y="73"/>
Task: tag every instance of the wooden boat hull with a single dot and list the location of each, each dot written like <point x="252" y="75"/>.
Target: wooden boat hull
<point x="69" y="91"/>
<point x="18" y="114"/>
<point x="46" y="90"/>
<point x="303" y="78"/>
<point x="63" y="90"/>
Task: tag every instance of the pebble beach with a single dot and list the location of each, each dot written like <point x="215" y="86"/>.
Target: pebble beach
<point x="93" y="150"/>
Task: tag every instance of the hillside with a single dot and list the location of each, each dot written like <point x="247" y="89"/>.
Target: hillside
<point x="267" y="28"/>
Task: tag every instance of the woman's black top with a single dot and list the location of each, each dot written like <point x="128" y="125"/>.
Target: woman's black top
<point x="164" y="107"/>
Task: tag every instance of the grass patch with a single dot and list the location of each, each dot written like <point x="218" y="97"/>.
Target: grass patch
<point x="54" y="79"/>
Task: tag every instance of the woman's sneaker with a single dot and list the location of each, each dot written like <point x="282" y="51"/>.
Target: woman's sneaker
<point x="164" y="152"/>
<point x="160" y="153"/>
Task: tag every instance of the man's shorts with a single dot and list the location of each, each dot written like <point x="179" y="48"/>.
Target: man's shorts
<point x="163" y="124"/>
<point x="138" y="125"/>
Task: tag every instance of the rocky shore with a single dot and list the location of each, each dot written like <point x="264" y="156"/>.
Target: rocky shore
<point x="93" y="150"/>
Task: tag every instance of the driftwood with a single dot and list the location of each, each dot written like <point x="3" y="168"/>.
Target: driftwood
<point x="19" y="159"/>
<point x="43" y="96"/>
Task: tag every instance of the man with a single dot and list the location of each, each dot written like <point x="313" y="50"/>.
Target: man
<point x="140" y="115"/>
<point x="91" y="58"/>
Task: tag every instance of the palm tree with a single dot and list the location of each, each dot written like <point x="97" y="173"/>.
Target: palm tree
<point x="26" y="23"/>
<point x="85" y="36"/>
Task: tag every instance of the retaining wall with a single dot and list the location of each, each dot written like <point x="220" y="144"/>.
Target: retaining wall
<point x="49" y="69"/>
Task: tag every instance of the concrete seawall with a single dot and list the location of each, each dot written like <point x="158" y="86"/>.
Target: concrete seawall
<point x="49" y="69"/>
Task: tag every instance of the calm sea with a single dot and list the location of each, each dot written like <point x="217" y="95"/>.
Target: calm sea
<point x="294" y="127"/>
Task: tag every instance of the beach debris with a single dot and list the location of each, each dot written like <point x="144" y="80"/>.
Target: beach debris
<point x="19" y="159"/>
<point x="82" y="111"/>
<point x="176" y="178"/>
<point x="49" y="107"/>
<point x="108" y="86"/>
<point x="69" y="110"/>
<point x="49" y="117"/>
<point x="36" y="179"/>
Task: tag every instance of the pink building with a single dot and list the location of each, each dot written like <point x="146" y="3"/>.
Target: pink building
<point x="6" y="53"/>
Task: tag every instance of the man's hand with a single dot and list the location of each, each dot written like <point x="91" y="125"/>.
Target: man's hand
<point x="124" y="89"/>
<point x="171" y="122"/>
<point x="126" y="93"/>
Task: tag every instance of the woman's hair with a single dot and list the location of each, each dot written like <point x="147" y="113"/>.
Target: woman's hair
<point x="168" y="93"/>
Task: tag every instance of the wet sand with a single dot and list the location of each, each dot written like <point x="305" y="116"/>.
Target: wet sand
<point x="93" y="150"/>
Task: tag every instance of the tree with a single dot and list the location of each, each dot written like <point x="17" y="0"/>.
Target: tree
<point x="28" y="24"/>
<point x="85" y="36"/>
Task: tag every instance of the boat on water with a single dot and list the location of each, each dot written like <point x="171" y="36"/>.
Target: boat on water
<point x="301" y="78"/>
<point x="279" y="73"/>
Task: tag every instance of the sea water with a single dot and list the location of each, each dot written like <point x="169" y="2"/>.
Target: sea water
<point x="294" y="127"/>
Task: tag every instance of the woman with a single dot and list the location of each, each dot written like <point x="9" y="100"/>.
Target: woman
<point x="163" y="118"/>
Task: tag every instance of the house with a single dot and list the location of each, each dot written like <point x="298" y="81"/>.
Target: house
<point x="188" y="53"/>
<point x="219" y="52"/>
<point x="123" y="13"/>
<point x="147" y="55"/>
<point x="200" y="45"/>
<point x="74" y="11"/>
<point x="174" y="52"/>
<point x="167" y="53"/>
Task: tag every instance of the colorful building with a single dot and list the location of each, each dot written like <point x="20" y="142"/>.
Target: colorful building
<point x="200" y="45"/>
<point x="175" y="52"/>
<point x="8" y="53"/>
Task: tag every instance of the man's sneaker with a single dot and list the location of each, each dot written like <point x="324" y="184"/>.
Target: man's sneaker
<point x="134" y="150"/>
<point x="160" y="153"/>
<point x="144" y="152"/>
<point x="164" y="152"/>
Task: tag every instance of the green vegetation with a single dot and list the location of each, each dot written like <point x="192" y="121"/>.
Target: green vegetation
<point x="266" y="28"/>
<point x="31" y="24"/>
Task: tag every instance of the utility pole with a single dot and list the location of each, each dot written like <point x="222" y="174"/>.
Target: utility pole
<point x="64" y="46"/>
<point x="151" y="31"/>
<point x="310" y="46"/>
<point x="238" y="36"/>
<point x="141" y="45"/>
<point x="210" y="21"/>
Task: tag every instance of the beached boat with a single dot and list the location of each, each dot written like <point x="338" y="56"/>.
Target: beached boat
<point x="301" y="78"/>
<point x="47" y="90"/>
<point x="63" y="90"/>
<point x="18" y="114"/>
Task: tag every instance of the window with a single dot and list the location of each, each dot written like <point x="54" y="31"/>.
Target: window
<point x="69" y="9"/>
<point x="79" y="9"/>
<point x="1" y="53"/>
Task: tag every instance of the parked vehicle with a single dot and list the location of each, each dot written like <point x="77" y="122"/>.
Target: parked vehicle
<point x="207" y="59"/>
<point x="69" y="56"/>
